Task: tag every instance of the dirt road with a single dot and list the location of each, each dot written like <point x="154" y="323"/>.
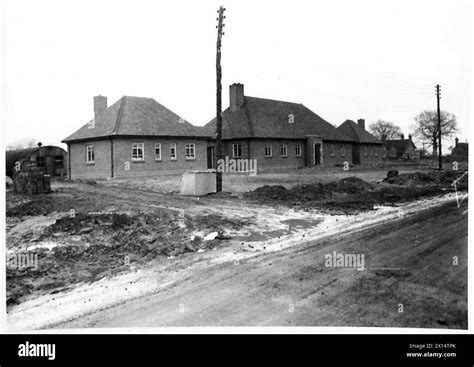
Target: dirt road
<point x="411" y="279"/>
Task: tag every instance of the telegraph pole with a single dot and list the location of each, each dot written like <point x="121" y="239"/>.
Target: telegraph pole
<point x="220" y="33"/>
<point x="438" y="97"/>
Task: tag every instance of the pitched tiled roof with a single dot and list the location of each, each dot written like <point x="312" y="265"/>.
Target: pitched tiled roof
<point x="266" y="118"/>
<point x="400" y="145"/>
<point x="357" y="133"/>
<point x="137" y="116"/>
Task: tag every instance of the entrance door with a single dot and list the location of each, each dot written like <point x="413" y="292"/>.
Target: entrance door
<point x="50" y="167"/>
<point x="317" y="154"/>
<point x="210" y="157"/>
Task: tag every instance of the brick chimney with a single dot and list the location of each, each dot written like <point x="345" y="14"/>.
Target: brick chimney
<point x="361" y="123"/>
<point x="402" y="136"/>
<point x="236" y="96"/>
<point x="409" y="136"/>
<point x="456" y="141"/>
<point x="100" y="105"/>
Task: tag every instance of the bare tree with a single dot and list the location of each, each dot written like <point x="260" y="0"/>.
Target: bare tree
<point x="387" y="128"/>
<point x="426" y="127"/>
<point x="22" y="144"/>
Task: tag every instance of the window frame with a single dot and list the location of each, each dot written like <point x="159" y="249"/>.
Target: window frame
<point x="343" y="151"/>
<point x="298" y="150"/>
<point x="158" y="145"/>
<point x="173" y="157"/>
<point x="332" y="148"/>
<point x="92" y="154"/>
<point x="138" y="159"/>
<point x="239" y="148"/>
<point x="270" y="146"/>
<point x="189" y="145"/>
<point x="284" y="147"/>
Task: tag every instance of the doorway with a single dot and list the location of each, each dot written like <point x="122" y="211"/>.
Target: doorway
<point x="317" y="154"/>
<point x="210" y="158"/>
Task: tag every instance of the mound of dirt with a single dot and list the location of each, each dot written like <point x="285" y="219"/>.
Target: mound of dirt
<point x="352" y="194"/>
<point x="93" y="246"/>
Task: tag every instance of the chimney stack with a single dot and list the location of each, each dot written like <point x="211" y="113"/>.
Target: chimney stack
<point x="402" y="136"/>
<point x="40" y="144"/>
<point x="361" y="123"/>
<point x="409" y="136"/>
<point x="100" y="105"/>
<point x="236" y="96"/>
<point x="384" y="138"/>
<point x="456" y="141"/>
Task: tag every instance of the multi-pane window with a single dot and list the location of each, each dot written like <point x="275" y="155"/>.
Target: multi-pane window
<point x="343" y="151"/>
<point x="236" y="150"/>
<point x="298" y="150"/>
<point x="173" y="152"/>
<point x="138" y="151"/>
<point x="90" y="154"/>
<point x="333" y="150"/>
<point x="284" y="150"/>
<point x="157" y="152"/>
<point x="190" y="151"/>
<point x="268" y="150"/>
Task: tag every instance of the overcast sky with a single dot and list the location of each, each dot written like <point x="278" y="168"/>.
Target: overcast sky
<point x="343" y="59"/>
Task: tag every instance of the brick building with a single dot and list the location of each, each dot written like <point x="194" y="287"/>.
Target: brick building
<point x="401" y="148"/>
<point x="135" y="136"/>
<point x="366" y="148"/>
<point x="278" y="134"/>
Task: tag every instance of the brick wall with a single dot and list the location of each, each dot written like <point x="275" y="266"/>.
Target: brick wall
<point x="371" y="153"/>
<point x="122" y="151"/>
<point x="150" y="165"/>
<point x="99" y="169"/>
<point x="336" y="153"/>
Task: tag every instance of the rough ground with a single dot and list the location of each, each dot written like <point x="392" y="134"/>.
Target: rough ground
<point x="409" y="262"/>
<point x="89" y="236"/>
<point x="352" y="194"/>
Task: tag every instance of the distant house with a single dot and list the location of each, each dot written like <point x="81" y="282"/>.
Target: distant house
<point x="366" y="148"/>
<point x="52" y="160"/>
<point x="135" y="136"/>
<point x="401" y="148"/>
<point x="278" y="134"/>
<point x="460" y="151"/>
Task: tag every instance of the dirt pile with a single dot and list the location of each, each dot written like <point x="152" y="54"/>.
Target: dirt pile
<point x="352" y="194"/>
<point x="441" y="178"/>
<point x="90" y="247"/>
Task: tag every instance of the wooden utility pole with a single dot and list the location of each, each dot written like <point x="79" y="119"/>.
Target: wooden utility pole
<point x="220" y="33"/>
<point x="438" y="97"/>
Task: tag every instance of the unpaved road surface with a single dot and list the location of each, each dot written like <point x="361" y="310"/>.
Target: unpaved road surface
<point x="410" y="280"/>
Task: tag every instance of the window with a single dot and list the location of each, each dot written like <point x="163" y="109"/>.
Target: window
<point x="284" y="150"/>
<point x="343" y="151"/>
<point x="376" y="151"/>
<point x="190" y="151"/>
<point x="40" y="162"/>
<point x="333" y="150"/>
<point x="138" y="151"/>
<point x="173" y="152"/>
<point x="157" y="152"/>
<point x="268" y="150"/>
<point x="90" y="158"/>
<point x="298" y="150"/>
<point x="58" y="161"/>
<point x="236" y="150"/>
<point x="366" y="152"/>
